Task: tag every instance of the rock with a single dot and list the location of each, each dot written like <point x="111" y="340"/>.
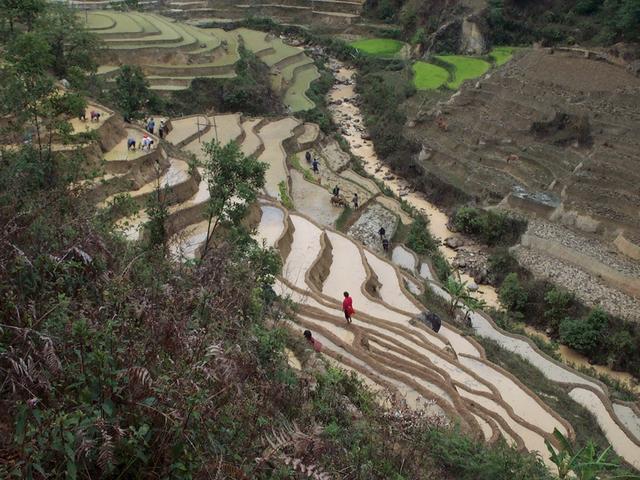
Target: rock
<point x="425" y="154"/>
<point x="459" y="263"/>
<point x="411" y="124"/>
<point x="454" y="242"/>
<point x="472" y="287"/>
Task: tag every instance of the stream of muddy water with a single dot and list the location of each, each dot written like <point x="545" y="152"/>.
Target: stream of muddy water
<point x="347" y="114"/>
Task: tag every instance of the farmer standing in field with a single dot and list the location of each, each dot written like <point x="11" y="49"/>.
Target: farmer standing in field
<point x="347" y="307"/>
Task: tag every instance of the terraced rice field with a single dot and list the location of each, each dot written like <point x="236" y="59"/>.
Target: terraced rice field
<point x="427" y="76"/>
<point x="383" y="47"/>
<point x="501" y="55"/>
<point x="172" y="53"/>
<point x="445" y="373"/>
<point x="465" y="68"/>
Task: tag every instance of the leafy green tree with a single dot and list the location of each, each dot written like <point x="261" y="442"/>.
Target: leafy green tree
<point x="584" y="335"/>
<point x="73" y="47"/>
<point x="557" y="302"/>
<point x="158" y="213"/>
<point x="132" y="94"/>
<point x="30" y="96"/>
<point x="23" y="12"/>
<point x="628" y="20"/>
<point x="512" y="295"/>
<point x="233" y="180"/>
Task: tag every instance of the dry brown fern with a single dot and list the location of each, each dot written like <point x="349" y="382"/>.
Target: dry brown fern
<point x="51" y="360"/>
<point x="287" y="445"/>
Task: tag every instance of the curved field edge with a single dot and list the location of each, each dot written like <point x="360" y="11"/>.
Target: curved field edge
<point x="427" y="76"/>
<point x="378" y="46"/>
<point x="464" y="68"/>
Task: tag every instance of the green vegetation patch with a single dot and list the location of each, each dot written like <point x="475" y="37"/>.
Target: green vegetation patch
<point x="427" y="76"/>
<point x="379" y="46"/>
<point x="464" y="68"/>
<point x="501" y="55"/>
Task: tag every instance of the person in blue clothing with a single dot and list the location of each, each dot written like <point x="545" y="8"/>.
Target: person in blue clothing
<point x="315" y="165"/>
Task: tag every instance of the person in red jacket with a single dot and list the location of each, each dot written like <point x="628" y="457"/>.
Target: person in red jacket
<point x="347" y="307"/>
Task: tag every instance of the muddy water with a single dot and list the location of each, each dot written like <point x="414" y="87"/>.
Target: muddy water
<point x="304" y="250"/>
<point x="251" y="141"/>
<point x="272" y="136"/>
<point x="350" y="118"/>
<point x="347" y="273"/>
<point x="522" y="403"/>
<point x="534" y="441"/>
<point x="403" y="258"/>
<point x="487" y="431"/>
<point x="628" y="418"/>
<point x="271" y="225"/>
<point x="390" y="291"/>
<point x="619" y="440"/>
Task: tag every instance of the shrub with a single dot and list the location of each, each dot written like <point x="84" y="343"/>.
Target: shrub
<point x="557" y="302"/>
<point x="584" y="335"/>
<point x="512" y="295"/>
<point x="489" y="226"/>
<point x="420" y="239"/>
<point x="467" y="459"/>
<point x="500" y="264"/>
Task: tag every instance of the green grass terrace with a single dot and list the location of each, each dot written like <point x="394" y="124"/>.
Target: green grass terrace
<point x="382" y="47"/>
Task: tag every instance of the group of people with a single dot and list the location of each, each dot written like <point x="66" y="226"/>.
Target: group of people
<point x="151" y="127"/>
<point x="93" y="114"/>
<point x="383" y="238"/>
<point x="355" y="200"/>
<point x="145" y="144"/>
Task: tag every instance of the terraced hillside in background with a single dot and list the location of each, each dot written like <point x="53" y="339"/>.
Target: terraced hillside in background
<point x="330" y="13"/>
<point x="445" y="373"/>
<point x="553" y="134"/>
<point x="172" y="53"/>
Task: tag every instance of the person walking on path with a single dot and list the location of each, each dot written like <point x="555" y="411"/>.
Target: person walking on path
<point x="317" y="346"/>
<point x="161" y="129"/>
<point x="385" y="245"/>
<point x="131" y="143"/>
<point x="315" y="165"/>
<point x="336" y="191"/>
<point x="347" y="307"/>
<point x="151" y="126"/>
<point x="307" y="156"/>
<point x="355" y="200"/>
<point x="382" y="232"/>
